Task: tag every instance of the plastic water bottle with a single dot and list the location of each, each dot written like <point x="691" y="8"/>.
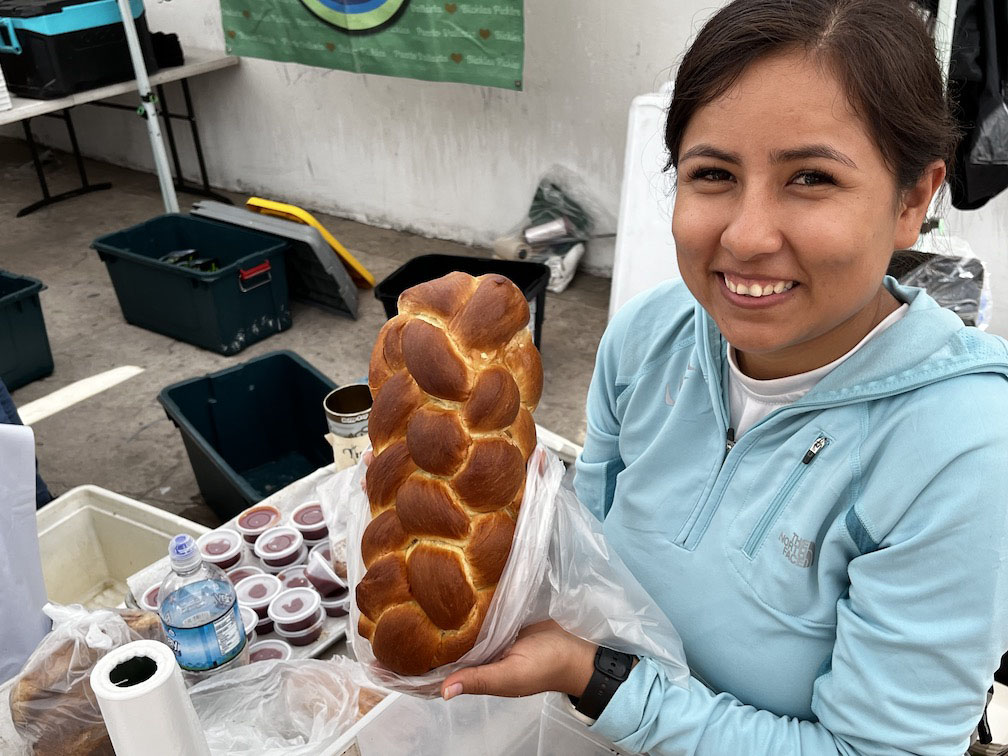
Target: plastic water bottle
<point x="200" y="614"/>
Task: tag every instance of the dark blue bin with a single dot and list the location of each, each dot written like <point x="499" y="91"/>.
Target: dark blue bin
<point x="24" y="344"/>
<point x="244" y="301"/>
<point x="251" y="429"/>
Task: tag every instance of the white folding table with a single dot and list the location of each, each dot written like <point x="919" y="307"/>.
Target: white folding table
<point x="197" y="61"/>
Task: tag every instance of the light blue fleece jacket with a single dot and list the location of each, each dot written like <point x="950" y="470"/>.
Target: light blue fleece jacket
<point x="838" y="576"/>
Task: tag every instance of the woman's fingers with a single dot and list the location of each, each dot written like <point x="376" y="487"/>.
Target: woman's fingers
<point x="501" y="678"/>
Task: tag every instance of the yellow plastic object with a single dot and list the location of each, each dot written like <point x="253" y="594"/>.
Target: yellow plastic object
<point x="360" y="275"/>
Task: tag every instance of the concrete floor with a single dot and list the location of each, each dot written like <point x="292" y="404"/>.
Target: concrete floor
<point x="121" y="439"/>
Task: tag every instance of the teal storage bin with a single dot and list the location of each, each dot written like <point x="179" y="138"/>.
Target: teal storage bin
<point x="252" y="429"/>
<point x="24" y="344"/>
<point x="242" y="302"/>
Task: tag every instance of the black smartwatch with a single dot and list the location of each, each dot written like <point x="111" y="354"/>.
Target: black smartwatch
<point x="611" y="669"/>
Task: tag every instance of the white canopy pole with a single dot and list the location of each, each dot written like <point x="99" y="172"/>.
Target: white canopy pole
<point x="944" y="26"/>
<point x="150" y="112"/>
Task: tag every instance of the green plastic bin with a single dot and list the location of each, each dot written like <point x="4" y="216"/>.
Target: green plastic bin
<point x="24" y="344"/>
<point x="251" y="429"/>
<point x="241" y="303"/>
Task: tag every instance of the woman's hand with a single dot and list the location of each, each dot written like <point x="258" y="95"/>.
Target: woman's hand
<point x="544" y="657"/>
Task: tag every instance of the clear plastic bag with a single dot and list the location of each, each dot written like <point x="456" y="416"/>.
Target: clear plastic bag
<point x="282" y="708"/>
<point x="560" y="568"/>
<point x="52" y="705"/>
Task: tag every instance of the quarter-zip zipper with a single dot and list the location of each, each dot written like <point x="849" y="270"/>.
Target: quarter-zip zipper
<point x="783" y="496"/>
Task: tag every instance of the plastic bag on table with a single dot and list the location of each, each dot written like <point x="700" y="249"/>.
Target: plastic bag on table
<point x="560" y="567"/>
<point x="282" y="708"/>
<point x="52" y="705"/>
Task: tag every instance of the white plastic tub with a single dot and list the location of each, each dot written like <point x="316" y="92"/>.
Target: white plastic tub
<point x="465" y="726"/>
<point x="563" y="734"/>
<point x="91" y="540"/>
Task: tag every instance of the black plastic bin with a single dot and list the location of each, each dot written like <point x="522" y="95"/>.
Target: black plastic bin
<point x="530" y="277"/>
<point x="24" y="343"/>
<point x="240" y="303"/>
<point x="252" y="429"/>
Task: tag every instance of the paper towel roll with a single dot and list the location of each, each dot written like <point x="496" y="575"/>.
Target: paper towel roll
<point x="145" y="704"/>
<point x="512" y="248"/>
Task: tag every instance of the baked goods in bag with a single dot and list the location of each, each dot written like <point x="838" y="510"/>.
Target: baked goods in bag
<point x="455" y="377"/>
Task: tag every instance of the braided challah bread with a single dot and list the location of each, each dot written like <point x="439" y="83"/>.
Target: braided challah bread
<point x="455" y="377"/>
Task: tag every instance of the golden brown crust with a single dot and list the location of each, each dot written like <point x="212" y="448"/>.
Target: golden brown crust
<point x="455" y="378"/>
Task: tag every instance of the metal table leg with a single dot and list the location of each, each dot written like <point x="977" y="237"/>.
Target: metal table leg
<point x="180" y="182"/>
<point x="47" y="198"/>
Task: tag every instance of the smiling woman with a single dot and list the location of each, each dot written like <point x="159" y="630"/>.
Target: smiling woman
<point x="787" y="214"/>
<point x="801" y="460"/>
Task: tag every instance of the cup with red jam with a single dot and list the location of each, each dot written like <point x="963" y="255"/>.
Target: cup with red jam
<point x="222" y="547"/>
<point x="309" y="520"/>
<point x="237" y="574"/>
<point x="257" y="591"/>
<point x="337" y="606"/>
<point x="295" y="609"/>
<point x="280" y="547"/>
<point x="294" y="577"/>
<point x="268" y="650"/>
<point x="149" y="599"/>
<point x="322" y="576"/>
<point x="304" y="637"/>
<point x="255" y="521"/>
<point x="249" y="619"/>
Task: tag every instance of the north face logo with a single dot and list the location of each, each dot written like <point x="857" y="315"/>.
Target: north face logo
<point x="797" y="550"/>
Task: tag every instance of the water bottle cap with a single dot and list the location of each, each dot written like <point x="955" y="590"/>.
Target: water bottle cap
<point x="182" y="550"/>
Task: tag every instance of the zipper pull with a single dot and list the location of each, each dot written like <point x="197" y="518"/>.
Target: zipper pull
<point x="817" y="446"/>
<point x="730" y="440"/>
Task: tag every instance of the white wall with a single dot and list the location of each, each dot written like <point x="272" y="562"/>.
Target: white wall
<point x="446" y="160"/>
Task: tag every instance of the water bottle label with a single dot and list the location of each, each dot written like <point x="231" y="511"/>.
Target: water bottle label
<point x="208" y="645"/>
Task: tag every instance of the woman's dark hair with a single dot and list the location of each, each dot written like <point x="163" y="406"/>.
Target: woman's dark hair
<point x="879" y="49"/>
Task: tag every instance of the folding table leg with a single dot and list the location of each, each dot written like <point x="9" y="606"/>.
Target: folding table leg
<point x="47" y="198"/>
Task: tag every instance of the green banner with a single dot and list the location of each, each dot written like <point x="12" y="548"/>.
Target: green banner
<point x="479" y="43"/>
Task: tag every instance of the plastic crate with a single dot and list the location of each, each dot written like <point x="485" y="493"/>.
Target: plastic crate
<point x="24" y="343"/>
<point x="91" y="540"/>
<point x="530" y="277"/>
<point x="252" y="429"/>
<point x="53" y="48"/>
<point x="242" y="302"/>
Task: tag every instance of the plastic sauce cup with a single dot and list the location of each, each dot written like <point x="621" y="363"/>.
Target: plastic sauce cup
<point x="338" y="606"/>
<point x="294" y="577"/>
<point x="256" y="592"/>
<point x="256" y="520"/>
<point x="250" y="619"/>
<point x="295" y="609"/>
<point x="222" y="547"/>
<point x="322" y="576"/>
<point x="267" y="650"/>
<point x="280" y="546"/>
<point x="306" y="636"/>
<point x="149" y="600"/>
<point x="237" y="574"/>
<point x="298" y="561"/>
<point x="309" y="520"/>
<point x="265" y="627"/>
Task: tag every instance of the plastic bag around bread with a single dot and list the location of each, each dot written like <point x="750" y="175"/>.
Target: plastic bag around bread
<point x="52" y="705"/>
<point x="560" y="567"/>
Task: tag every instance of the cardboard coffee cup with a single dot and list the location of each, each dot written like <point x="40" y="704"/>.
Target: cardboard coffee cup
<point x="347" y="409"/>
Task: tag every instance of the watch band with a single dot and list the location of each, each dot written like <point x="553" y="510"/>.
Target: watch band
<point x="611" y="669"/>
